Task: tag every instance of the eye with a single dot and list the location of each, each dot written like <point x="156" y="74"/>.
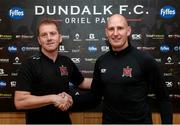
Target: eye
<point x="110" y="28"/>
<point x="53" y="33"/>
<point x="43" y="35"/>
<point x="120" y="28"/>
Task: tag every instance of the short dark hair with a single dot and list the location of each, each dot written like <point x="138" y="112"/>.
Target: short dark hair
<point x="48" y="21"/>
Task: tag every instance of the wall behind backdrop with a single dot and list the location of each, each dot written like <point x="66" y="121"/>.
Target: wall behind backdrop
<point x="155" y="24"/>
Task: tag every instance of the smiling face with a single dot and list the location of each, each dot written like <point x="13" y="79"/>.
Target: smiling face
<point x="49" y="37"/>
<point x="117" y="32"/>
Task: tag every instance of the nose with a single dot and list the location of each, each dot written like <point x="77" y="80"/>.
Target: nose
<point x="115" y="32"/>
<point x="48" y="36"/>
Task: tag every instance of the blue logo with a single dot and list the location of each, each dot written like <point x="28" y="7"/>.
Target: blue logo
<point x="2" y="84"/>
<point x="12" y="49"/>
<point x="92" y="48"/>
<point x="16" y="13"/>
<point x="167" y="12"/>
<point x="164" y="48"/>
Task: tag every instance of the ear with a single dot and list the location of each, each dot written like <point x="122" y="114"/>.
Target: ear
<point x="106" y="32"/>
<point x="39" y="41"/>
<point x="129" y="31"/>
<point x="60" y="38"/>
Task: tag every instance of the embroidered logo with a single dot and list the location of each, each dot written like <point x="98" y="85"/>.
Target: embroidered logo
<point x="63" y="70"/>
<point x="103" y="70"/>
<point x="127" y="72"/>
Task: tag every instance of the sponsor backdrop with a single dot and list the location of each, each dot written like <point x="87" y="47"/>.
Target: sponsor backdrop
<point x="155" y="23"/>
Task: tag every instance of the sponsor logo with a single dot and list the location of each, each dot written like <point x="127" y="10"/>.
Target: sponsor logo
<point x="103" y="70"/>
<point x="12" y="49"/>
<point x="36" y="58"/>
<point x="65" y="36"/>
<point x="5" y="95"/>
<point x="92" y="60"/>
<point x="27" y="49"/>
<point x="16" y="61"/>
<point x="92" y="48"/>
<point x="176" y="48"/>
<point x="77" y="37"/>
<point x="176" y="96"/>
<point x="1" y="48"/>
<point x="164" y="48"/>
<point x="5" y="37"/>
<point x="2" y="73"/>
<point x="146" y="48"/>
<point x="4" y="60"/>
<point x="167" y="12"/>
<point x="169" y="61"/>
<point x="168" y="74"/>
<point x="16" y="13"/>
<point x="76" y="50"/>
<point x="104" y="39"/>
<point x="155" y="36"/>
<point x="2" y="84"/>
<point x="62" y="49"/>
<point x="175" y="36"/>
<point x="13" y="83"/>
<point x="178" y="83"/>
<point x="87" y="71"/>
<point x="104" y="48"/>
<point x="14" y="74"/>
<point x="76" y="60"/>
<point x="169" y="84"/>
<point x="91" y="37"/>
<point x="158" y="60"/>
<point x="136" y="36"/>
<point x="24" y="36"/>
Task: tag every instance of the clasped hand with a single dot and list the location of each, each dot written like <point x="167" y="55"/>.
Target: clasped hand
<point x="63" y="101"/>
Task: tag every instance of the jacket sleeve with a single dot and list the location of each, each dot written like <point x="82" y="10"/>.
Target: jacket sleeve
<point x="90" y="99"/>
<point x="96" y="86"/>
<point x="157" y="86"/>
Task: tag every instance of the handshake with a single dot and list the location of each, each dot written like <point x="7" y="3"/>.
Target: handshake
<point x="63" y="101"/>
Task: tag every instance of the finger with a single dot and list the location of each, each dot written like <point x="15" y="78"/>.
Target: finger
<point x="66" y="106"/>
<point x="62" y="107"/>
<point x="70" y="101"/>
<point x="68" y="96"/>
<point x="62" y="95"/>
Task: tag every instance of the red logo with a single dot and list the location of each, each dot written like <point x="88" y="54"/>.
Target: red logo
<point x="63" y="70"/>
<point x="127" y="72"/>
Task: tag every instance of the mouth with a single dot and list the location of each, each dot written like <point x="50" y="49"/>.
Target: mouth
<point x="50" y="43"/>
<point x="116" y="39"/>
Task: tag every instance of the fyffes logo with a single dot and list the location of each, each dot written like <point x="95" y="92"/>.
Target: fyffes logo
<point x="2" y="84"/>
<point x="167" y="12"/>
<point x="16" y="13"/>
<point x="92" y="48"/>
<point x="12" y="49"/>
<point x="164" y="48"/>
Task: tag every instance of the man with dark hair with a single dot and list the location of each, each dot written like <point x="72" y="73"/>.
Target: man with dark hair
<point x="124" y="76"/>
<point x="43" y="80"/>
